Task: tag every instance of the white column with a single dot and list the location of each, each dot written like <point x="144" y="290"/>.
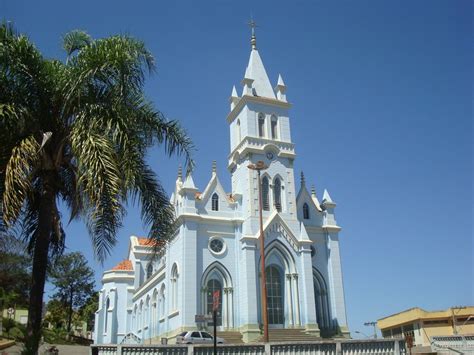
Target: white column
<point x="296" y="299"/>
<point x="231" y="307"/>
<point x="289" y="301"/>
<point x="225" y="312"/>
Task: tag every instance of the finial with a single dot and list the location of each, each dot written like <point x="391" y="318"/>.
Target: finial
<point x="252" y="24"/>
<point x="313" y="190"/>
<point x="214" y="167"/>
<point x="180" y="172"/>
<point x="303" y="182"/>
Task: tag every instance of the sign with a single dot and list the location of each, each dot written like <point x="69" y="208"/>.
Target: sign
<point x="215" y="300"/>
<point x="201" y="318"/>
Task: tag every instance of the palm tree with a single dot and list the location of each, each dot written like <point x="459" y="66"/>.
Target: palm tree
<point x="77" y="131"/>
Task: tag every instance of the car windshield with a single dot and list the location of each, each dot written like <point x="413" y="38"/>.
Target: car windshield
<point x="183" y="334"/>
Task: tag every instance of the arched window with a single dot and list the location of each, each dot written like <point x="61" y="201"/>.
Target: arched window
<point x="106" y="318"/>
<point x="147" y="312"/>
<point x="215" y="202"/>
<point x="274" y="127"/>
<point x="305" y="211"/>
<point x="212" y="286"/>
<point x="261" y="125"/>
<point x="174" y="287"/>
<point x="149" y="270"/>
<point x="321" y="302"/>
<point x="277" y="194"/>
<point x="140" y="316"/>
<point x="238" y="132"/>
<point x="162" y="301"/>
<point x="265" y="195"/>
<point x="275" y="306"/>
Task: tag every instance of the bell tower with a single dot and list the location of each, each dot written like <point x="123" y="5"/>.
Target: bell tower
<point x="260" y="130"/>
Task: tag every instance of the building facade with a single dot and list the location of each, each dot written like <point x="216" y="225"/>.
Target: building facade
<point x="216" y="246"/>
<point x="425" y="326"/>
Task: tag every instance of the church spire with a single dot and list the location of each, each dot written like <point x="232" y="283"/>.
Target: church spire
<point x="253" y="39"/>
<point x="256" y="82"/>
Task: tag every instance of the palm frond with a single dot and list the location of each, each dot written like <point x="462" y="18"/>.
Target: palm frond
<point x="75" y="40"/>
<point x="100" y="182"/>
<point x="18" y="177"/>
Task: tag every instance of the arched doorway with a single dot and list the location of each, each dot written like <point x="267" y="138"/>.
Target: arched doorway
<point x="216" y="277"/>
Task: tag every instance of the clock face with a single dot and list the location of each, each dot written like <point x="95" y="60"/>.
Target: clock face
<point x="269" y="155"/>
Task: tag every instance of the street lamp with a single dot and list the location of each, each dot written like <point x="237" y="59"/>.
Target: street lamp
<point x="259" y="166"/>
<point x="361" y="333"/>
<point x="368" y="324"/>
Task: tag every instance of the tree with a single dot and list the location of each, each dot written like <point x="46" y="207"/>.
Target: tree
<point x="74" y="282"/>
<point x="56" y="313"/>
<point x="78" y="132"/>
<point x="15" y="273"/>
<point x="87" y="311"/>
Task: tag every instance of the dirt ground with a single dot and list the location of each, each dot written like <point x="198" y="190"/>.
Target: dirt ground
<point x="63" y="350"/>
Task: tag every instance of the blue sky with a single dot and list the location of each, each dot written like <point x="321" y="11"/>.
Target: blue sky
<point x="382" y="118"/>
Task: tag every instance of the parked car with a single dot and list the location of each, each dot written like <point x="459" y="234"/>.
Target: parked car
<point x="197" y="337"/>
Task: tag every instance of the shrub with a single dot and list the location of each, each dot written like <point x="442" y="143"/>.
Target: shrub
<point x="17" y="334"/>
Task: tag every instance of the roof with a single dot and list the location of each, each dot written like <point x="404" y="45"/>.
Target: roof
<point x="147" y="242"/>
<point x="417" y="313"/>
<point x="256" y="71"/>
<point x="124" y="265"/>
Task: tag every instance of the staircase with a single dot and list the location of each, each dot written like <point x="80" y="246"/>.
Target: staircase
<point x="288" y="335"/>
<point x="231" y="337"/>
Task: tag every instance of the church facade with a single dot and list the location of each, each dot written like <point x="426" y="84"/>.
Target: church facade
<point x="216" y="246"/>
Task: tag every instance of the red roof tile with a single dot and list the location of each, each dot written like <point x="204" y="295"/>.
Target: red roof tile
<point x="123" y="265"/>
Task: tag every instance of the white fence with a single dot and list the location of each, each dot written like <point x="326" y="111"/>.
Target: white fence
<point x="453" y="344"/>
<point x="343" y="347"/>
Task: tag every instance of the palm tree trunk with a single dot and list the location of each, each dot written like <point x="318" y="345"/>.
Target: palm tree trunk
<point x="40" y="262"/>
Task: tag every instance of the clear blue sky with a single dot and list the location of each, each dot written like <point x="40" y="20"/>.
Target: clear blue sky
<point x="382" y="118"/>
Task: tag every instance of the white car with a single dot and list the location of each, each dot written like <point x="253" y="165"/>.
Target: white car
<point x="197" y="337"/>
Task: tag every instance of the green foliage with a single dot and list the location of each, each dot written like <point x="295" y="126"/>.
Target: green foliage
<point x="56" y="336"/>
<point x="16" y="333"/>
<point x="87" y="311"/>
<point x="56" y="313"/>
<point x="15" y="273"/>
<point x="8" y="324"/>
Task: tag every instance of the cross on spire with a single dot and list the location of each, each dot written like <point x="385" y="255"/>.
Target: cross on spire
<point x="252" y="24"/>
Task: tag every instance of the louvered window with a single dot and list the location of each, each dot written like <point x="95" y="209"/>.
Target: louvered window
<point x="265" y="195"/>
<point x="277" y="194"/>
<point x="215" y="202"/>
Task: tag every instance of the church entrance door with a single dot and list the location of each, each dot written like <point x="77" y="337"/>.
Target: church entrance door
<point x="275" y="306"/>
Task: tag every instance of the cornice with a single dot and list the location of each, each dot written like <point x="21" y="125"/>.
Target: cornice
<point x="331" y="228"/>
<point x="255" y="99"/>
<point x="197" y="217"/>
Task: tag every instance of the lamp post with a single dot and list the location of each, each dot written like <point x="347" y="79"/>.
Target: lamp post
<point x="373" y="324"/>
<point x="259" y="166"/>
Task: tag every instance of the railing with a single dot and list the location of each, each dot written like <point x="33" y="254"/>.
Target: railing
<point x="343" y="347"/>
<point x="461" y="344"/>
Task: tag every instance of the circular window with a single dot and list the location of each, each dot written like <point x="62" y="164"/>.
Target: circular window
<point x="313" y="251"/>
<point x="216" y="245"/>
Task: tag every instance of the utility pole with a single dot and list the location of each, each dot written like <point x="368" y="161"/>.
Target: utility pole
<point x="263" y="280"/>
<point x="373" y="324"/>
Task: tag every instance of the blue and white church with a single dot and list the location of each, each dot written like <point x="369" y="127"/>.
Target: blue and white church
<point x="216" y="246"/>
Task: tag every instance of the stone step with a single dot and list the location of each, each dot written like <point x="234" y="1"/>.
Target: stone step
<point x="231" y="337"/>
<point x="289" y="335"/>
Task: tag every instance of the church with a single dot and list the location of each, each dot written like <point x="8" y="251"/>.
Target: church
<point x="216" y="246"/>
